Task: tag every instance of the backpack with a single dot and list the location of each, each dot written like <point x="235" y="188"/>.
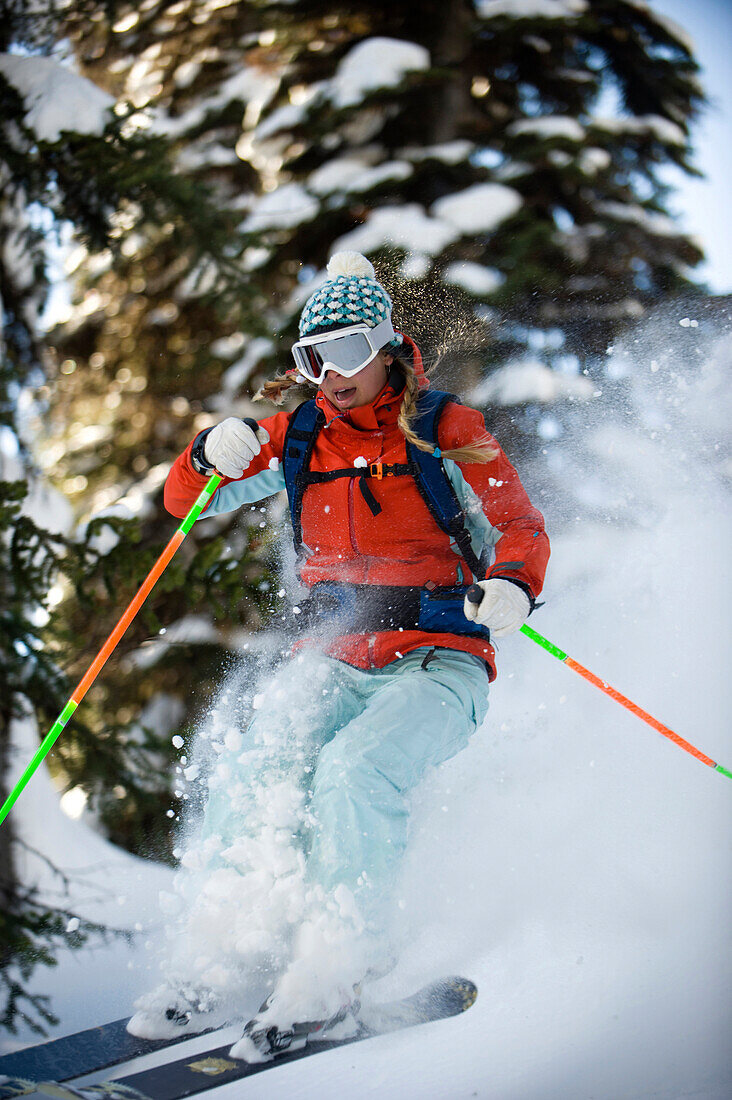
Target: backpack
<point x="426" y="469"/>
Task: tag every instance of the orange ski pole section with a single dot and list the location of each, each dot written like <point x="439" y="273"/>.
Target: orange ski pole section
<point x="111" y="643"/>
<point x="109" y="646"/>
<point x="613" y="693"/>
<point x="639" y="712"/>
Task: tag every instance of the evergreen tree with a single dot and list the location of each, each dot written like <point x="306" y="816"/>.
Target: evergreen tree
<point x="464" y="145"/>
<point x="95" y="177"/>
<point x="498" y="159"/>
<point x="31" y="927"/>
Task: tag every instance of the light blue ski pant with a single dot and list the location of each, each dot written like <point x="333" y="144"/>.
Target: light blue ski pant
<point x="350" y="744"/>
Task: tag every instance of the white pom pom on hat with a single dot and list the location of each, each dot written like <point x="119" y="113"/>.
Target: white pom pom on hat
<point x="350" y="263"/>
<point x="351" y="295"/>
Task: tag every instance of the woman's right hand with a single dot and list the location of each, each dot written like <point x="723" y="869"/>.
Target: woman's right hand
<point x="232" y="445"/>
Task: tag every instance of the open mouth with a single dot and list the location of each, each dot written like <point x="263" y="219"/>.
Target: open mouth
<point x="344" y="395"/>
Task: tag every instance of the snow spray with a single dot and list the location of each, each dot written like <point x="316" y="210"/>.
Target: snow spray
<point x="475" y="595"/>
<point x="110" y="645"/>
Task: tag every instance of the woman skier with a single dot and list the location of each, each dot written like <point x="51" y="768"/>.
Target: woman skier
<point x="400" y="500"/>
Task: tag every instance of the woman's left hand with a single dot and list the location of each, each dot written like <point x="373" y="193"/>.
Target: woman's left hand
<point x="504" y="608"/>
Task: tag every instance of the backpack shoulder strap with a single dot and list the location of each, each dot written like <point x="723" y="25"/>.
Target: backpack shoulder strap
<point x="431" y="477"/>
<point x="302" y="431"/>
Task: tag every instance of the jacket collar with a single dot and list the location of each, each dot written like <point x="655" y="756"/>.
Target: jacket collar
<point x="383" y="410"/>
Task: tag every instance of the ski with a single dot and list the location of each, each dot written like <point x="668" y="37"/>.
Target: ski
<point x="84" y="1052"/>
<point x="439" y="1000"/>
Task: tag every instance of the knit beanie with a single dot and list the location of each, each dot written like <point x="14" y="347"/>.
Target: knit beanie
<point x="351" y="296"/>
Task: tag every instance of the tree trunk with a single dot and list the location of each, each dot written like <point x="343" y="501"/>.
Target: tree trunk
<point x="8" y="882"/>
<point x="451" y="51"/>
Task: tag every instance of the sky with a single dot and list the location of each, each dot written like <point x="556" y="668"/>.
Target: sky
<point x="704" y="204"/>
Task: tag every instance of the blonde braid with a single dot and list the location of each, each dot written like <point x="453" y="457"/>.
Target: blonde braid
<point x="480" y="450"/>
<point x="274" y="389"/>
<point x="408" y="408"/>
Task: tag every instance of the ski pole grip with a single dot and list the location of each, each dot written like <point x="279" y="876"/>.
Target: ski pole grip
<point x="475" y="594"/>
<point x="252" y="423"/>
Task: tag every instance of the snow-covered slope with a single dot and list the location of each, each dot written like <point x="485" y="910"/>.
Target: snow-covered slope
<point x="572" y="862"/>
<point x="106" y="885"/>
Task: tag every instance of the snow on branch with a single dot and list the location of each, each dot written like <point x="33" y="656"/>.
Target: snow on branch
<point x="531" y="9"/>
<point x="662" y="129"/>
<point x="476" y="279"/>
<point x="659" y="225"/>
<point x="248" y="86"/>
<point x="375" y="63"/>
<point x="400" y="227"/>
<point x="549" y="126"/>
<point x="449" y="152"/>
<point x="478" y="209"/>
<point x="56" y="99"/>
<point x="289" y="206"/>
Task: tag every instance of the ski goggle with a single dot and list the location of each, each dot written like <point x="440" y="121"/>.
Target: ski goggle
<point x="346" y="351"/>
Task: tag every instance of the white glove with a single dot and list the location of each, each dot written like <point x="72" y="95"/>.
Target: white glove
<point x="504" y="608"/>
<point x="232" y="445"/>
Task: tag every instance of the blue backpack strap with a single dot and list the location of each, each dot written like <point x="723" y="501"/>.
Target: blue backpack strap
<point x="431" y="478"/>
<point x="302" y="431"/>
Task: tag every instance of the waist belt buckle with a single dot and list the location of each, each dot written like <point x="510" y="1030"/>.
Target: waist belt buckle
<point x="379" y="470"/>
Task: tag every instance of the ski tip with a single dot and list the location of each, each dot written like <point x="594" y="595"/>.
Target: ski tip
<point x="464" y="991"/>
<point x="443" y="998"/>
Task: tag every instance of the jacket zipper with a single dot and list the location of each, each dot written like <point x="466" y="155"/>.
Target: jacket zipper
<point x="351" y="514"/>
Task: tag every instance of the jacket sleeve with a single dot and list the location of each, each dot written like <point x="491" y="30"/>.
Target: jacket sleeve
<point x="522" y="549"/>
<point x="261" y="479"/>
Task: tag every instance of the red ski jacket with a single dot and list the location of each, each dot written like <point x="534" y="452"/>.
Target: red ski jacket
<point x="401" y="545"/>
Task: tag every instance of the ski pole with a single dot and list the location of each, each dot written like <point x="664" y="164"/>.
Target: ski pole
<point x="94" y="669"/>
<point x="475" y="595"/>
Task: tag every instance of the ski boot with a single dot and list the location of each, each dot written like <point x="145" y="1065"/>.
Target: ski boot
<point x="262" y="1041"/>
<point x="169" y="1011"/>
